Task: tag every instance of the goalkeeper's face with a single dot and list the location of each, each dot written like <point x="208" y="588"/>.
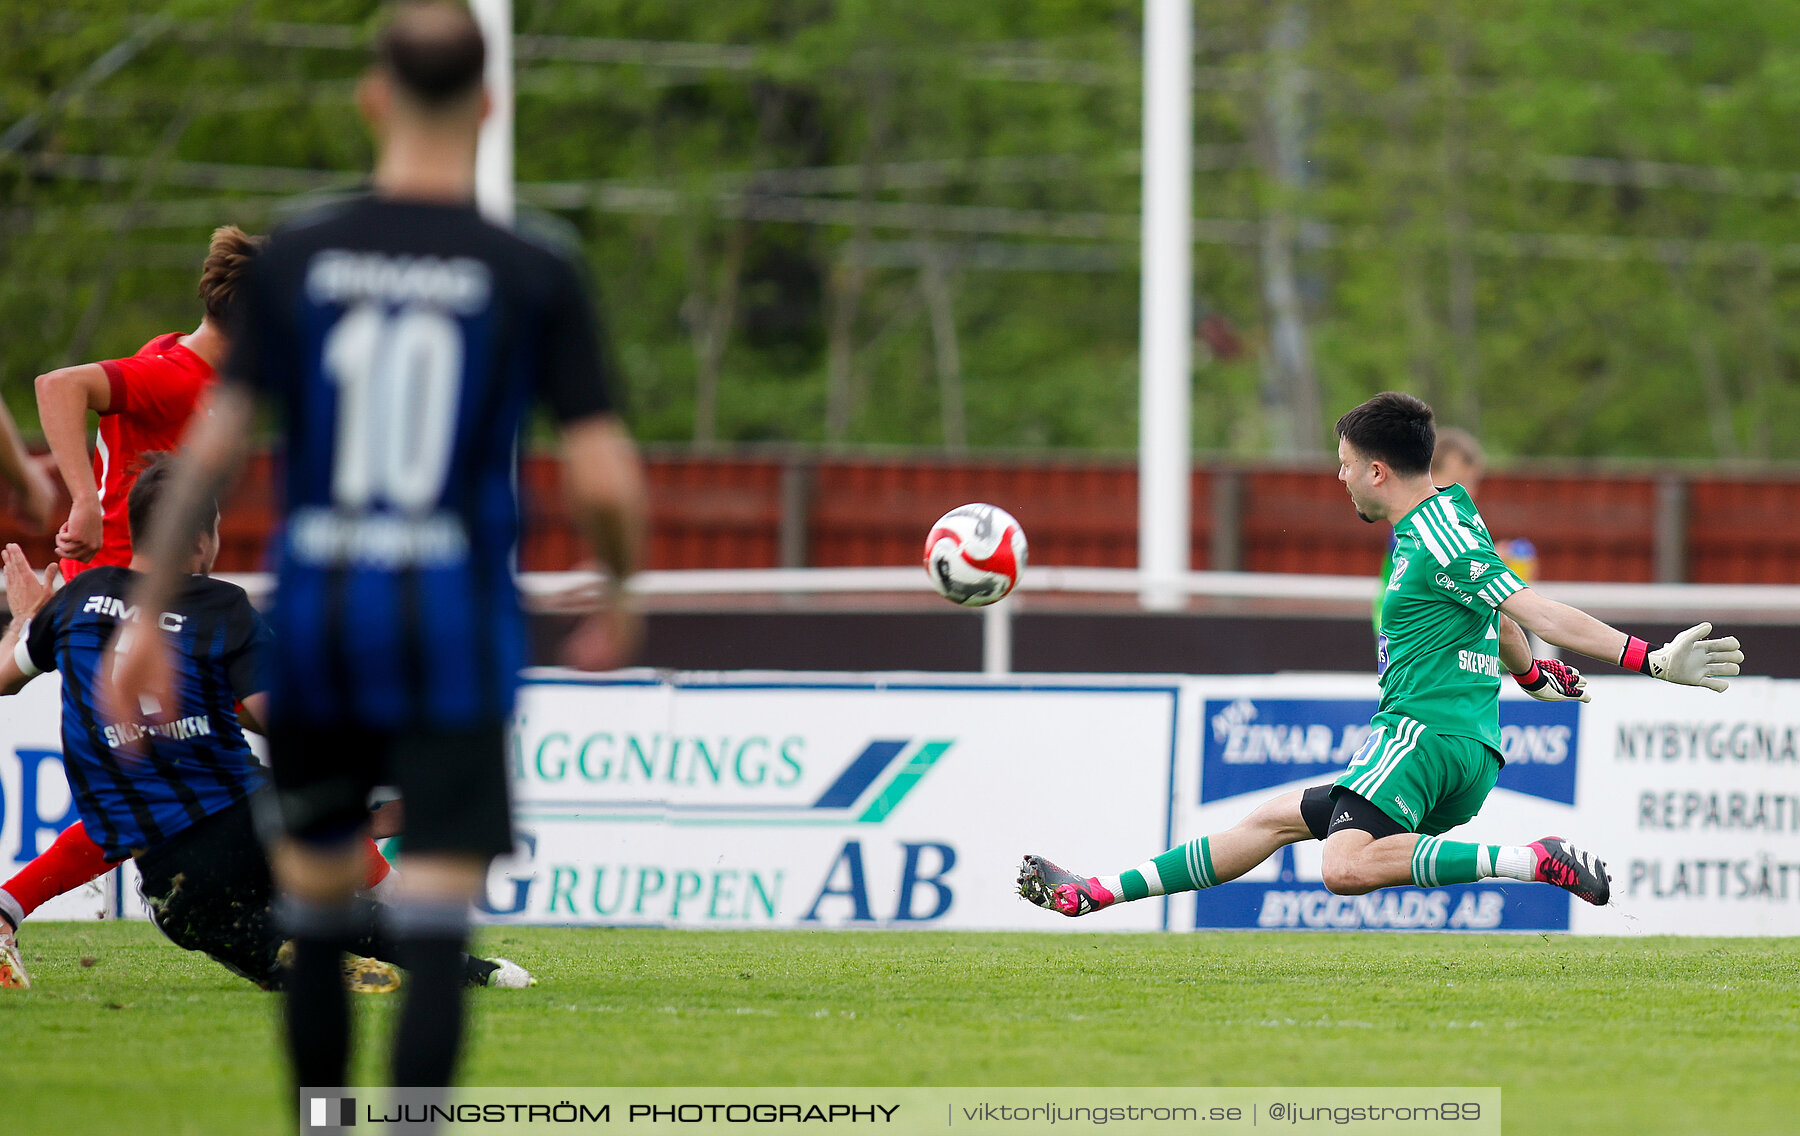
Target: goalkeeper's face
<point x="1358" y="474"/>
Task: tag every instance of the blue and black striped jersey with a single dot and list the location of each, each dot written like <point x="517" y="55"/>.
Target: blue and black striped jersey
<point x="194" y="761"/>
<point x="401" y="344"/>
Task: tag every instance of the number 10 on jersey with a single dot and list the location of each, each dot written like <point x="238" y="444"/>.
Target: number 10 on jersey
<point x="399" y="378"/>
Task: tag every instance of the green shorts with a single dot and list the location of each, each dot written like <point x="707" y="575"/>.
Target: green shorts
<point x="1426" y="781"/>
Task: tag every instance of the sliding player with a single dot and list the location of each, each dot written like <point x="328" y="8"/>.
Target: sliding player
<point x="176" y="796"/>
<point x="1434" y="751"/>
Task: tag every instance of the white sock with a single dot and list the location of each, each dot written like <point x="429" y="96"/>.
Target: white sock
<point x="1111" y="884"/>
<point x="1516" y="863"/>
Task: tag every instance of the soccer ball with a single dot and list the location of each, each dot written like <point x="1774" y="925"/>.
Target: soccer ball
<point x="975" y="554"/>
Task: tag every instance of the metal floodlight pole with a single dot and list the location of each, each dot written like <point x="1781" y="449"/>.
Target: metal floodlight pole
<point x="1165" y="336"/>
<point x="494" y="154"/>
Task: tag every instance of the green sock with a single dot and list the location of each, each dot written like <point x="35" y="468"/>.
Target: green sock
<point x="1436" y="861"/>
<point x="1186" y="868"/>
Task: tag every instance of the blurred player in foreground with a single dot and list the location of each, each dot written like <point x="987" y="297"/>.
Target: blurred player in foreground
<point x="178" y="796"/>
<point x="145" y="403"/>
<point x="399" y="338"/>
<point x="1433" y="752"/>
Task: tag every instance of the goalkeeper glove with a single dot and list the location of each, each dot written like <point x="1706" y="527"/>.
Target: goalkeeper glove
<point x="1551" y="681"/>
<point x="1686" y="659"/>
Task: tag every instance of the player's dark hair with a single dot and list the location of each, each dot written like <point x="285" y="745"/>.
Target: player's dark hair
<point x="433" y="51"/>
<point x="228" y="256"/>
<point x="153" y="473"/>
<point x="1394" y="428"/>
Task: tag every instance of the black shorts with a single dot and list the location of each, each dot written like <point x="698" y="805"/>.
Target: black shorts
<point x="1327" y="808"/>
<point x="453" y="782"/>
<point x="208" y="889"/>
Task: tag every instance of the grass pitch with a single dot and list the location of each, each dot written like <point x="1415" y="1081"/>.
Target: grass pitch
<point x="1582" y="1035"/>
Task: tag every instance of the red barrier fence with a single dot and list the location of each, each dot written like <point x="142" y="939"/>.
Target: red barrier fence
<point x="762" y="511"/>
<point x="1586" y="525"/>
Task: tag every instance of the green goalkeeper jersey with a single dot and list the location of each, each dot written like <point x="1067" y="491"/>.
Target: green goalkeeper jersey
<point x="1440" y="620"/>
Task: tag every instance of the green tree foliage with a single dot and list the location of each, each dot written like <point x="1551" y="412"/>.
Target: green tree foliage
<point x="1573" y="226"/>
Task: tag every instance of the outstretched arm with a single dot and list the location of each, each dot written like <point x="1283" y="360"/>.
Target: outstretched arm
<point x="1689" y="659"/>
<point x="1567" y="627"/>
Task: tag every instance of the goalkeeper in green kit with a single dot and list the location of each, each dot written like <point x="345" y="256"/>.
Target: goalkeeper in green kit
<point x="1452" y="615"/>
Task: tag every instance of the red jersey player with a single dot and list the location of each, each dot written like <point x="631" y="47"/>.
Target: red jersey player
<point x="144" y="402"/>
